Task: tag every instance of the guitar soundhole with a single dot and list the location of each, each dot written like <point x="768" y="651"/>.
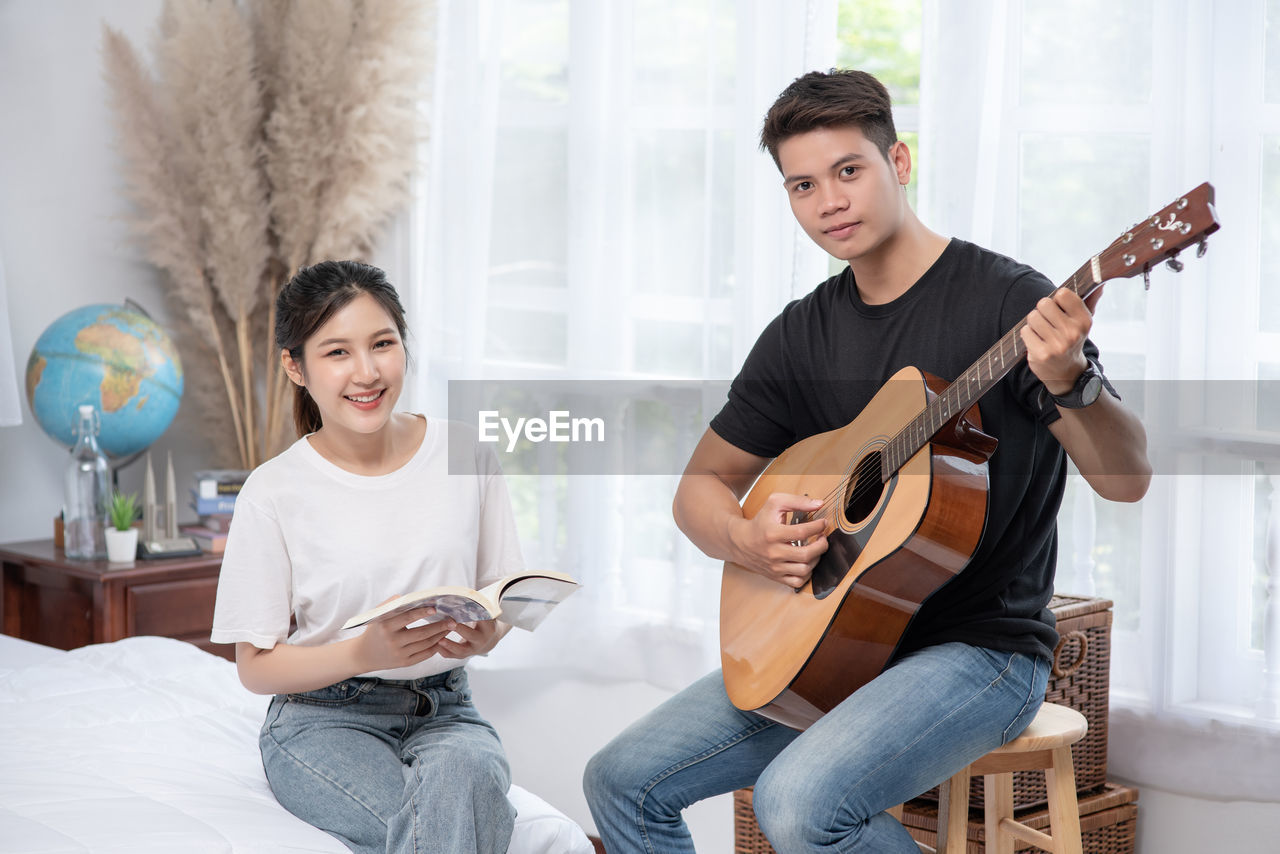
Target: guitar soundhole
<point x="865" y="488"/>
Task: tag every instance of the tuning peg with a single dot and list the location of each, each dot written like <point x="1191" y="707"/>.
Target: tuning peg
<point x="1174" y="264"/>
<point x="1202" y="248"/>
<point x="1146" y="278"/>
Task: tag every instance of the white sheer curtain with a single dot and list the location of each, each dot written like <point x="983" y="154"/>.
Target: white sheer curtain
<point x="596" y="210"/>
<point x="10" y="409"/>
<point x="1075" y="121"/>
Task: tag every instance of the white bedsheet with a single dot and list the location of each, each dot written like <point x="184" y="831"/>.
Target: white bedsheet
<point x="150" y="746"/>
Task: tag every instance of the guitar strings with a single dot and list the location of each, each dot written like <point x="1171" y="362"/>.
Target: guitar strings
<point x="866" y="485"/>
<point x="829" y="505"/>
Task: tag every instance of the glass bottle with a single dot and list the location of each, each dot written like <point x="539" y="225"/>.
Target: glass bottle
<point x="88" y="491"/>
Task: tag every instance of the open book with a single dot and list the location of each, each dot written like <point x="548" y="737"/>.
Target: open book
<point x="522" y="600"/>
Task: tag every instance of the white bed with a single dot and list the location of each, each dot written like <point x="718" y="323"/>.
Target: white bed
<point x="151" y="745"/>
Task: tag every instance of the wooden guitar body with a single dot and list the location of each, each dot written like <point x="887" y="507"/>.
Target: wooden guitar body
<point x="794" y="655"/>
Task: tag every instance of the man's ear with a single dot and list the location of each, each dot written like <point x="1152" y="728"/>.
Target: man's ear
<point x="900" y="159"/>
<point x="292" y="369"/>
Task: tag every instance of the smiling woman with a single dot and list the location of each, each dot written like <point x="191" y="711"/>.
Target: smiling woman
<point x="342" y="346"/>
<point x="369" y="503"/>
<point x="352" y="370"/>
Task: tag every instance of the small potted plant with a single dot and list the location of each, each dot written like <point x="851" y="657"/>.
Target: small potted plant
<point x="122" y="537"/>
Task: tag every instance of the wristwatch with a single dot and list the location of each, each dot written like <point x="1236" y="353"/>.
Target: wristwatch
<point x="1086" y="390"/>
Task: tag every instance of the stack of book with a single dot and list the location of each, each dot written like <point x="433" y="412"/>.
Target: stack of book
<point x="214" y="499"/>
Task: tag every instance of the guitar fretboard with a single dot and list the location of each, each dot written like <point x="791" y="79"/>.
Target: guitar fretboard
<point x="970" y="386"/>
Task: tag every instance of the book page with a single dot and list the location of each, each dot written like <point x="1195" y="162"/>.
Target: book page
<point x="456" y="605"/>
<point x="525" y="603"/>
<point x="459" y="608"/>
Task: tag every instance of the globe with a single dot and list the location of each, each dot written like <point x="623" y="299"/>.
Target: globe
<point x="115" y="358"/>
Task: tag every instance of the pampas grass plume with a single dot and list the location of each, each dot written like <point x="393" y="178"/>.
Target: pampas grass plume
<point x="274" y="134"/>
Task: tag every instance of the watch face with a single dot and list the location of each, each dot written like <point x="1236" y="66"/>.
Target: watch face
<point x="1091" y="389"/>
<point x="1086" y="390"/>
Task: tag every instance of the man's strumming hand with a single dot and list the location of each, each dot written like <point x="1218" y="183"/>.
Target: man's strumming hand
<point x="769" y="544"/>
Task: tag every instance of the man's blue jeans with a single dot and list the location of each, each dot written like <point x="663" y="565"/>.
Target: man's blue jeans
<point x="825" y="789"/>
<point x="387" y="766"/>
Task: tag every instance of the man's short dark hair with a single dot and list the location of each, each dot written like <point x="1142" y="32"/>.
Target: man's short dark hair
<point x="838" y="98"/>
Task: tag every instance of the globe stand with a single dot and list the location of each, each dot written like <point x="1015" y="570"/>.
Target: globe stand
<point x="116" y="466"/>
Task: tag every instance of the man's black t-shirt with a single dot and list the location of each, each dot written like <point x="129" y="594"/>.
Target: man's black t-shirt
<point x="822" y="359"/>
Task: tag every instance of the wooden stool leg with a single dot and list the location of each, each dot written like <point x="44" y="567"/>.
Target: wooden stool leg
<point x="953" y="813"/>
<point x="1064" y="809"/>
<point x="998" y="801"/>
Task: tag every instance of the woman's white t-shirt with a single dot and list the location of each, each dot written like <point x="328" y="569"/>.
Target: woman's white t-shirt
<point x="315" y="542"/>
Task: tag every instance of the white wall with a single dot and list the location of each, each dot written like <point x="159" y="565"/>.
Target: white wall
<point x="64" y="242"/>
<point x="1170" y="823"/>
<point x="551" y="729"/>
<point x="64" y="246"/>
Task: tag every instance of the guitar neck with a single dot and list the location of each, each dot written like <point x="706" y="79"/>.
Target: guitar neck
<point x="1188" y="220"/>
<point x="970" y="386"/>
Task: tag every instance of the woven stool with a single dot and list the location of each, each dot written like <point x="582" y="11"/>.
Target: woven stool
<point x="1044" y="745"/>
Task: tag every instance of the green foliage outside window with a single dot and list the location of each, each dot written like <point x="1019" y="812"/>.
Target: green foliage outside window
<point x="883" y="37"/>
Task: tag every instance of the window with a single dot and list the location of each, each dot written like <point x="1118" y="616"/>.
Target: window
<point x="604" y="234"/>
<point x="598" y="212"/>
<point x="883" y="37"/>
<point x="1089" y="118"/>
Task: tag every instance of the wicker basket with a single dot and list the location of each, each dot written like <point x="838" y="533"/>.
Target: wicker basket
<point x="1108" y="822"/>
<point x="1081" y="679"/>
<point x="747" y="836"/>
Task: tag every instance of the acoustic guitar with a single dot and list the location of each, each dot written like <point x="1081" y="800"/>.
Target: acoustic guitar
<point x="904" y="489"/>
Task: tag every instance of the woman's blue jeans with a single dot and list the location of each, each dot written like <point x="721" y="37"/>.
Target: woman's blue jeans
<point x="387" y="766"/>
<point x="825" y="789"/>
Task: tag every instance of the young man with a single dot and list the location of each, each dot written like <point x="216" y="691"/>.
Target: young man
<point x="971" y="670"/>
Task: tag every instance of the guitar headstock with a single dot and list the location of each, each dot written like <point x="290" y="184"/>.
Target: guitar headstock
<point x="1187" y="220"/>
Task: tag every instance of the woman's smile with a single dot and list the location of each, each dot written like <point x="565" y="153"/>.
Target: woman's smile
<point x="366" y="400"/>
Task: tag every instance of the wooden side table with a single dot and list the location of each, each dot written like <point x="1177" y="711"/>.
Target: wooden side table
<point x="49" y="599"/>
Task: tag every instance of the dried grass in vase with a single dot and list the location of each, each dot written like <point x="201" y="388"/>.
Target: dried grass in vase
<point x="274" y="134"/>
